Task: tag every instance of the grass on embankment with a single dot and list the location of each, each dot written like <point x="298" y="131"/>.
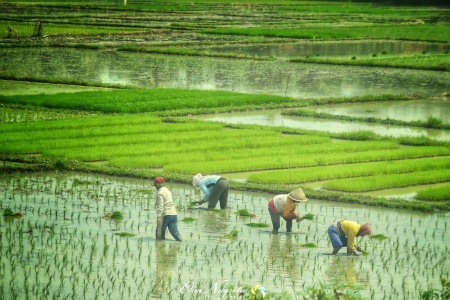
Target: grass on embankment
<point x="435" y="33"/>
<point x="425" y="61"/>
<point x="431" y="122"/>
<point x="27" y="29"/>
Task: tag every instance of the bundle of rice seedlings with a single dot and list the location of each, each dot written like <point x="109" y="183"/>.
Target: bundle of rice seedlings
<point x="233" y="233"/>
<point x="260" y="225"/>
<point x="308" y="216"/>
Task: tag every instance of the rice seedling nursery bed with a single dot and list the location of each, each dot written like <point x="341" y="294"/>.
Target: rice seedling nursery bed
<point x="62" y="247"/>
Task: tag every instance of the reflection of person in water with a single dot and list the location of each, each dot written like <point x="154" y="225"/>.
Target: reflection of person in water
<point x="343" y="234"/>
<point x="166" y="261"/>
<point x="342" y="269"/>
<point x="283" y="257"/>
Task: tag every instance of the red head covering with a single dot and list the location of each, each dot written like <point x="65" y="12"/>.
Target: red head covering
<point x="159" y="180"/>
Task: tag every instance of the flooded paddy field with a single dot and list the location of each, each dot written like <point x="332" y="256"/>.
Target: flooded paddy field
<point x="405" y="111"/>
<point x="333" y="48"/>
<point x="203" y="73"/>
<point x="63" y="248"/>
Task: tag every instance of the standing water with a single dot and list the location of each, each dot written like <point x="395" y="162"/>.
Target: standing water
<point x="63" y="248"/>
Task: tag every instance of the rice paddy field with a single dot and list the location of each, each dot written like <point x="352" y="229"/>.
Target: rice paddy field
<point x="63" y="247"/>
<point x="98" y="98"/>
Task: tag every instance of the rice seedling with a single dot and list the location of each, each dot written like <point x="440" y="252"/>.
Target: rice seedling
<point x="257" y="225"/>
<point x="378" y="237"/>
<point x="9" y="213"/>
<point x="125" y="234"/>
<point x="233" y="233"/>
<point x="188" y="219"/>
<point x="308" y="216"/>
<point x="244" y="213"/>
<point x="116" y="215"/>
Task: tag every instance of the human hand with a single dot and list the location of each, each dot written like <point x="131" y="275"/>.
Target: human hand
<point x="159" y="220"/>
<point x="299" y="219"/>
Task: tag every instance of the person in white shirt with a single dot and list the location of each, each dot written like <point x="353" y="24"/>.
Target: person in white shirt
<point x="166" y="211"/>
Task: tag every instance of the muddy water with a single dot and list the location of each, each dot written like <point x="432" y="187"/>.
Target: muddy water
<point x="334" y="48"/>
<point x="274" y="118"/>
<point x="62" y="248"/>
<point x="265" y="77"/>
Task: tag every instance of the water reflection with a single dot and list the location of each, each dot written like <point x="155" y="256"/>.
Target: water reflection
<point x="282" y="258"/>
<point x="246" y="76"/>
<point x="405" y="110"/>
<point x="333" y="48"/>
<point x="166" y="262"/>
<point x="342" y="270"/>
<point x="274" y="118"/>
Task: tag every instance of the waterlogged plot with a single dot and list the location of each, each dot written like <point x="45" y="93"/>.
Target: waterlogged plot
<point x="61" y="246"/>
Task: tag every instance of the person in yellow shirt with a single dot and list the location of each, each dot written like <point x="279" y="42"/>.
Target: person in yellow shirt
<point x="343" y="233"/>
<point x="285" y="206"/>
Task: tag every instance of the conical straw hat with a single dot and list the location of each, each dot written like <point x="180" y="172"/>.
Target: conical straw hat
<point x="298" y="195"/>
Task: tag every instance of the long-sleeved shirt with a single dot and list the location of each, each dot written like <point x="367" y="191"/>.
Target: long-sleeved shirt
<point x="206" y="184"/>
<point x="164" y="203"/>
<point x="285" y="206"/>
<point x="350" y="230"/>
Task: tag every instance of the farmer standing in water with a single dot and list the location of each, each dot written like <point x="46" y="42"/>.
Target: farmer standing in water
<point x="166" y="211"/>
<point x="285" y="206"/>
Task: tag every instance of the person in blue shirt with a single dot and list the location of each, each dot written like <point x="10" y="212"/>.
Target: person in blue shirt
<point x="215" y="189"/>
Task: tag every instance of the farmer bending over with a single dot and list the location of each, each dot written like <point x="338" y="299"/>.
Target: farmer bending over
<point x="215" y="189"/>
<point x="285" y="206"/>
<point x="343" y="233"/>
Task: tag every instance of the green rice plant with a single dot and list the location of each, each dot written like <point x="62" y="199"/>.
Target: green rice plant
<point x="149" y="100"/>
<point x="257" y="225"/>
<point x="244" y="213"/>
<point x="371" y="183"/>
<point x="444" y="293"/>
<point x="308" y="216"/>
<point x="352" y="170"/>
<point x="116" y="215"/>
<point x="423" y="32"/>
<point x="436" y="61"/>
<point x="379" y="237"/>
<point x="441" y="193"/>
<point x="8" y="213"/>
<point x="188" y="219"/>
<point x="124" y="234"/>
<point x="28" y="29"/>
<point x="233" y="233"/>
<point x="430" y="123"/>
